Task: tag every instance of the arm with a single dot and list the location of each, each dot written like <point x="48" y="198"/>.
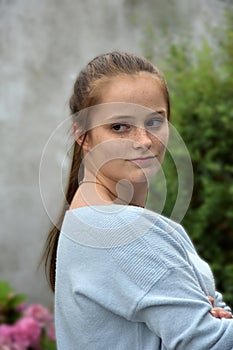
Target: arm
<point x="177" y="311"/>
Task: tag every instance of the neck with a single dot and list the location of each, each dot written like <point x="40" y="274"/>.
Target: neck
<point x="121" y="192"/>
<point x="140" y="195"/>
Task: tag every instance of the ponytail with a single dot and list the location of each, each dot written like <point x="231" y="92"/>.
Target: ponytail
<point x="52" y="240"/>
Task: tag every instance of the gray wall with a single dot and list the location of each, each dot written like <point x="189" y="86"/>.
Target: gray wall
<point x="43" y="44"/>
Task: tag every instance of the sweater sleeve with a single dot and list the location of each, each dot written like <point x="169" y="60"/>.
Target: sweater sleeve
<point x="219" y="302"/>
<point x="177" y="311"/>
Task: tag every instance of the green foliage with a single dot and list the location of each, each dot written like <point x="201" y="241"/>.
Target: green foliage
<point x="47" y="344"/>
<point x="201" y="86"/>
<point x="9" y="301"/>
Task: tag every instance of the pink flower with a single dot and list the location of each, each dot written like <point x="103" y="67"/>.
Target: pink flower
<point x="26" y="333"/>
<point x="39" y="313"/>
<point x="50" y="331"/>
<point x="36" y="322"/>
<point x="7" y="341"/>
<point x="5" y="335"/>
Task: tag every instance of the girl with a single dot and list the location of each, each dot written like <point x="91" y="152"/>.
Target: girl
<point x="126" y="277"/>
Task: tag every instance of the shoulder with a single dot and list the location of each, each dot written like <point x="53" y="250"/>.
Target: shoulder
<point x="111" y="226"/>
<point x="143" y="244"/>
<point x="123" y="227"/>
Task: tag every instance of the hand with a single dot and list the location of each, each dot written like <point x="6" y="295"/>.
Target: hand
<point x="218" y="312"/>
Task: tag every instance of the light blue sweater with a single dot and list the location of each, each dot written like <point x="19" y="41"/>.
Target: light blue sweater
<point x="129" y="279"/>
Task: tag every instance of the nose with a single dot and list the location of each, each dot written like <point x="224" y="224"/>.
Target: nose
<point x="142" y="139"/>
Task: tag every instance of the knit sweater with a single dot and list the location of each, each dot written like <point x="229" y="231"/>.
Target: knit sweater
<point x="130" y="279"/>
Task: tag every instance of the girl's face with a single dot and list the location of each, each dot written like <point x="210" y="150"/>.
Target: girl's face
<point x="129" y="129"/>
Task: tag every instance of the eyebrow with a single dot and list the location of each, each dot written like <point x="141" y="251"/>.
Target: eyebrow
<point x="116" y="118"/>
<point x="120" y="117"/>
<point x="160" y="112"/>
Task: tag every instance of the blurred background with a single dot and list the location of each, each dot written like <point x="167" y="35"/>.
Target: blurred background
<point x="43" y="45"/>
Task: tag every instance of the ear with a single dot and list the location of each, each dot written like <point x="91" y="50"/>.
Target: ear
<point x="81" y="138"/>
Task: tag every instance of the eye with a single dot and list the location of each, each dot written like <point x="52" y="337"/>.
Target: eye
<point x="155" y="122"/>
<point x="121" y="127"/>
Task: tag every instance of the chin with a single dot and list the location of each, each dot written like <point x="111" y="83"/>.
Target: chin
<point x="144" y="175"/>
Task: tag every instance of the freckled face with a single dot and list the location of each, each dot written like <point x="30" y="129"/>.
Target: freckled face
<point x="130" y="130"/>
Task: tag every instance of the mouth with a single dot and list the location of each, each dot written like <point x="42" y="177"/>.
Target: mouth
<point x="143" y="161"/>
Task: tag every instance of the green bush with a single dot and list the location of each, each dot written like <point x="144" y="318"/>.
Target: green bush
<point x="201" y="86"/>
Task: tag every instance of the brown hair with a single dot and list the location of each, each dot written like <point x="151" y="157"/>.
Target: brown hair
<point x="86" y="94"/>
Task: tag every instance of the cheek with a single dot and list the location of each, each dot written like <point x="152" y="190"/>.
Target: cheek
<point x="108" y="152"/>
<point x="160" y="139"/>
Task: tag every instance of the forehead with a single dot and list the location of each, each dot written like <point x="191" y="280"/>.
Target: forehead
<point x="143" y="89"/>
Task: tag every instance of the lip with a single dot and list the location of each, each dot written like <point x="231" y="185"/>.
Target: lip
<point x="143" y="161"/>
